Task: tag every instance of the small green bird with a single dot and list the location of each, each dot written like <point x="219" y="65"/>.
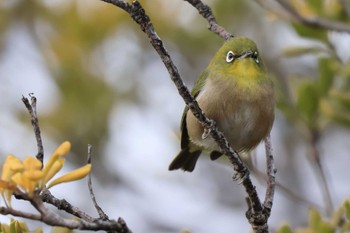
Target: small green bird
<point x="237" y="93"/>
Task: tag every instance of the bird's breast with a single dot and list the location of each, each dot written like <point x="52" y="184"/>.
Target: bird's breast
<point x="244" y="116"/>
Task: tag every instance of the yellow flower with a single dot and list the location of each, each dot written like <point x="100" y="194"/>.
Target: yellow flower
<point x="28" y="175"/>
<point x="55" y="164"/>
<point x="11" y="166"/>
<point x="28" y="178"/>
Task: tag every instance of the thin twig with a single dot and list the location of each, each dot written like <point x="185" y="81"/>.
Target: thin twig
<point x="255" y="214"/>
<point x="51" y="218"/>
<point x="270" y="171"/>
<point x="320" y="174"/>
<point x="100" y="212"/>
<point x="18" y="213"/>
<point x="313" y="21"/>
<point x="285" y="190"/>
<point x="62" y="204"/>
<point x="31" y="107"/>
<point x="205" y="11"/>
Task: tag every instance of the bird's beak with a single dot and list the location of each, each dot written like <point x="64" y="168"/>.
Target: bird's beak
<point x="245" y="54"/>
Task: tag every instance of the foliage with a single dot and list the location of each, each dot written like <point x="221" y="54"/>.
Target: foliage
<point x="322" y="98"/>
<point x="338" y="222"/>
<point x="17" y="227"/>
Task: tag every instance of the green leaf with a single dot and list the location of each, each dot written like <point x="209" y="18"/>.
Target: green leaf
<point x="314" y="218"/>
<point x="338" y="115"/>
<point x="327" y="68"/>
<point x="317" y="224"/>
<point x="342" y="98"/>
<point x="346" y="206"/>
<point x="325" y="227"/>
<point x="285" y="229"/>
<point x="299" y="51"/>
<point x="310" y="32"/>
<point x="315" y="5"/>
<point x="308" y="102"/>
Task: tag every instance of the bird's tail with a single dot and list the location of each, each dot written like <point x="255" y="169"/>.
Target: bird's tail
<point x="185" y="160"/>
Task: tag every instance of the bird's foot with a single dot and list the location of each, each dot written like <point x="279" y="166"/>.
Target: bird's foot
<point x="206" y="133"/>
<point x="240" y="177"/>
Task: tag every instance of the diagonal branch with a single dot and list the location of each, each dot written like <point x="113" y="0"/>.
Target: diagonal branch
<point x="313" y="21"/>
<point x="255" y="214"/>
<point x="99" y="210"/>
<point x="205" y="11"/>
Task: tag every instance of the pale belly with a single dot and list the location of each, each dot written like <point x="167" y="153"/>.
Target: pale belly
<point x="244" y="122"/>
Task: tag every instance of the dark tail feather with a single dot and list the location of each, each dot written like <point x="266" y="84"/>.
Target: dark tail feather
<point x="185" y="160"/>
<point x="214" y="155"/>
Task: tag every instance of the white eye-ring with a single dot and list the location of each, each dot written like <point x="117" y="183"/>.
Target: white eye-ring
<point x="256" y="57"/>
<point x="230" y="56"/>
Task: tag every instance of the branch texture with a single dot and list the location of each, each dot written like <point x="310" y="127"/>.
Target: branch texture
<point x="205" y="11"/>
<point x="31" y="107"/>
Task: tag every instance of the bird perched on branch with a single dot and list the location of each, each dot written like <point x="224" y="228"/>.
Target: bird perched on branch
<point x="237" y="93"/>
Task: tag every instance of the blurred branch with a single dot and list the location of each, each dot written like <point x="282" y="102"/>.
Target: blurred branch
<point x="288" y="192"/>
<point x="99" y="210"/>
<point x="296" y="16"/>
<point x="256" y="214"/>
<point x="205" y="11"/>
<point x="31" y="107"/>
<point x="320" y="174"/>
<point x="346" y="6"/>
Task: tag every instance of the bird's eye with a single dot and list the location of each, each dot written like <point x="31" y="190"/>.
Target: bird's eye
<point x="230" y="56"/>
<point x="256" y="57"/>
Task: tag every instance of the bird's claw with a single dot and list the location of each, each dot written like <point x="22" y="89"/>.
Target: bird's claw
<point x="240" y="177"/>
<point x="205" y="134"/>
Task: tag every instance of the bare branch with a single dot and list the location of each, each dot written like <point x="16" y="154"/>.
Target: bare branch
<point x="286" y="191"/>
<point x="51" y="218"/>
<point x="346" y="6"/>
<point x="205" y="11"/>
<point x="100" y="212"/>
<point x="313" y="21"/>
<point x="255" y="214"/>
<point x="17" y="213"/>
<point x="31" y="107"/>
<point x="62" y="204"/>
<point x="316" y="163"/>
<point x="270" y="171"/>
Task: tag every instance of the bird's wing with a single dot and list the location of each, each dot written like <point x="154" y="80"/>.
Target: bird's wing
<point x="185" y="140"/>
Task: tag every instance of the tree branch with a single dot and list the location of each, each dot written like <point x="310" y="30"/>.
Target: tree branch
<point x="313" y="21"/>
<point x="270" y="171"/>
<point x="316" y="163"/>
<point x="31" y="107"/>
<point x="51" y="218"/>
<point x="205" y="11"/>
<point x="256" y="216"/>
<point x="99" y="210"/>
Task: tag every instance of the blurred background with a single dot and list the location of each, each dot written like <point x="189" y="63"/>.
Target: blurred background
<point x="98" y="81"/>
